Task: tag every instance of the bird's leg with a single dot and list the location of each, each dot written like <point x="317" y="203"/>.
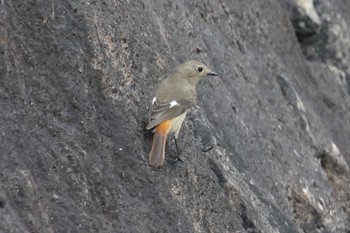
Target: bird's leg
<point x="178" y="152"/>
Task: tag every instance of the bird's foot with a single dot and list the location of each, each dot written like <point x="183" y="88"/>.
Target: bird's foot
<point x="180" y="158"/>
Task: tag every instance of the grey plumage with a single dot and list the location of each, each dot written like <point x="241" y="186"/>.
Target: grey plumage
<point x="180" y="86"/>
<point x="173" y="99"/>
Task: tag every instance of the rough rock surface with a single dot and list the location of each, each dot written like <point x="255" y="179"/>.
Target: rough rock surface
<point x="266" y="149"/>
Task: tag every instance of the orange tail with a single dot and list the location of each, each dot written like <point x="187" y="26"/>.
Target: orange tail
<point x="157" y="154"/>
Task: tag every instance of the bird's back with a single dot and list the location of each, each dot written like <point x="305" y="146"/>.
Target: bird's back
<point x="175" y="87"/>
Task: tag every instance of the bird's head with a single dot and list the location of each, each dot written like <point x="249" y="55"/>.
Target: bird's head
<point x="194" y="70"/>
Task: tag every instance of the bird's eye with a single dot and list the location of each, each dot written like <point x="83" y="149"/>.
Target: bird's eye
<point x="200" y="69"/>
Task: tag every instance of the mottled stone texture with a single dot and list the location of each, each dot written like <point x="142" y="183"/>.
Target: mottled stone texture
<point x="266" y="149"/>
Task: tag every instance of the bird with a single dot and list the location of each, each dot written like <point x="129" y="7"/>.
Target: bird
<point x="174" y="97"/>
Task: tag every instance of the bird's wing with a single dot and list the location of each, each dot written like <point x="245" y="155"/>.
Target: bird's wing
<point x="160" y="112"/>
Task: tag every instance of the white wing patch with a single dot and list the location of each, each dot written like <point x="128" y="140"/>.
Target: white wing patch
<point x="154" y="100"/>
<point x="173" y="103"/>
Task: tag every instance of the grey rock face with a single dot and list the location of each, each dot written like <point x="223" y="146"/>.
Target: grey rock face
<point x="266" y="149"/>
<point x="304" y="17"/>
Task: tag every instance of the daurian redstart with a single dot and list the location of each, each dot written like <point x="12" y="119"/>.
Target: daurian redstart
<point x="168" y="109"/>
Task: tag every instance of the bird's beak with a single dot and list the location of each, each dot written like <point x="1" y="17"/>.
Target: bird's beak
<point x="212" y="73"/>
